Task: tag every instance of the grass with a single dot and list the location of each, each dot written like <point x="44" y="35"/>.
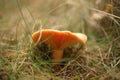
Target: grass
<point x="99" y="60"/>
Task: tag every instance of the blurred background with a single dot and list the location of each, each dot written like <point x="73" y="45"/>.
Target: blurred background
<point x="96" y="18"/>
<point x="74" y="15"/>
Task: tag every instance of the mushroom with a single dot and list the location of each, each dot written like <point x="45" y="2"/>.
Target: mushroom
<point x="58" y="40"/>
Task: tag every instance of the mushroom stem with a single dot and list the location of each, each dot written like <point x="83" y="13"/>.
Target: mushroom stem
<point x="57" y="56"/>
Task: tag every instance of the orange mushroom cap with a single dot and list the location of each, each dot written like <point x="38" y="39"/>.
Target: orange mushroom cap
<point x="58" y="40"/>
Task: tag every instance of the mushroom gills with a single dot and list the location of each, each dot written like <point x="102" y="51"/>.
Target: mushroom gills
<point x="43" y="51"/>
<point x="72" y="51"/>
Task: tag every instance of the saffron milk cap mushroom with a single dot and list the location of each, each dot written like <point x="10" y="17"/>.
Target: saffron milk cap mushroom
<point x="58" y="40"/>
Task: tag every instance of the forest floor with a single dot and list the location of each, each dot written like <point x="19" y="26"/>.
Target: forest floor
<point x="99" y="60"/>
